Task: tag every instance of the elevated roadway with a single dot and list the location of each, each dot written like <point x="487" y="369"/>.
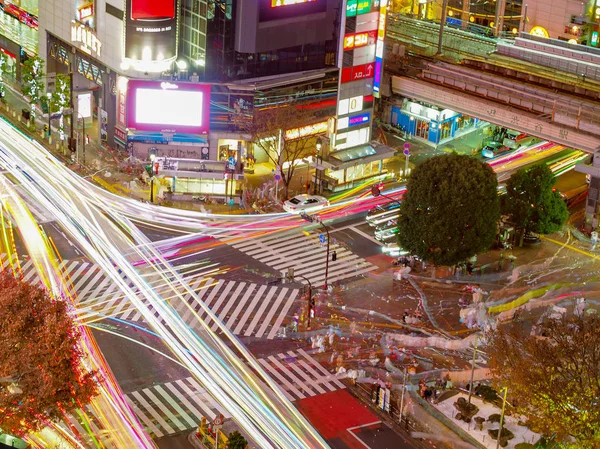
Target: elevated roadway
<point x="502" y="106"/>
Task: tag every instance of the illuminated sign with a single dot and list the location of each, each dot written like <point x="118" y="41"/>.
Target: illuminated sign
<point x="363" y="6"/>
<point x="84" y="105"/>
<point x="168" y="107"/>
<point x="277" y="3"/>
<point x="539" y="31"/>
<point x="351" y="7"/>
<point x="357" y="40"/>
<point x="351" y="139"/>
<point x="150" y="33"/>
<point x="594" y="40"/>
<point x="350" y="105"/>
<point x="309" y="130"/>
<point x="379" y="48"/>
<point x="86" y="37"/>
<point x="360" y="119"/>
<point x="85" y="12"/>
<point x="358" y="72"/>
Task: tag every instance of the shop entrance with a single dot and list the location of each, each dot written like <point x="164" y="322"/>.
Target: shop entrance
<point x="422" y="129"/>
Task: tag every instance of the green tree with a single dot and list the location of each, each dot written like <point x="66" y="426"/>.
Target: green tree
<point x="532" y="204"/>
<point x="3" y="62"/>
<point x="554" y="376"/>
<point x="61" y="98"/>
<point x="33" y="82"/>
<point x="41" y="371"/>
<point x="281" y="134"/>
<point x="236" y="441"/>
<point x="450" y="210"/>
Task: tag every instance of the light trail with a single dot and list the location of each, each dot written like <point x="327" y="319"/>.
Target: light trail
<point x="105" y="236"/>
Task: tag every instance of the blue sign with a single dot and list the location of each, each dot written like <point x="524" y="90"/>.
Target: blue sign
<point x="322" y="238"/>
<point x="231" y="163"/>
<point x="377" y="77"/>
<point x="359" y="119"/>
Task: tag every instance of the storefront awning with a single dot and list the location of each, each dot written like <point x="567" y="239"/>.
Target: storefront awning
<point x="360" y="155"/>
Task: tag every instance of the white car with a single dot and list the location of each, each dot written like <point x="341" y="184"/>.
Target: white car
<point x="305" y="203"/>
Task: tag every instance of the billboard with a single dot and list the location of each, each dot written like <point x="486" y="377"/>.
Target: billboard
<point x="286" y="9"/>
<point x="168" y="107"/>
<point x="151" y="30"/>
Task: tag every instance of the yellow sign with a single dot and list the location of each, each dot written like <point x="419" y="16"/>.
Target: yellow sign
<point x="539" y="31"/>
<point x="305" y="131"/>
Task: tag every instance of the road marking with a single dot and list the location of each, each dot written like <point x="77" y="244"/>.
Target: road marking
<point x="367" y="236"/>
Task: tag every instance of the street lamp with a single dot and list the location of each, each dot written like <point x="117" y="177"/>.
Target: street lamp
<point x="316" y="219"/>
<point x="82" y="135"/>
<point x="152" y="157"/>
<point x="501" y="417"/>
<point x="290" y="276"/>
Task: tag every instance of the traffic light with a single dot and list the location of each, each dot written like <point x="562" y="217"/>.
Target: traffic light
<point x="290" y="275"/>
<point x="149" y="170"/>
<point x="333" y="256"/>
<point x="73" y="145"/>
<point x="376" y="190"/>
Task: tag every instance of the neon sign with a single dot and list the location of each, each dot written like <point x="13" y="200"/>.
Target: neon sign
<point x="278" y="3"/>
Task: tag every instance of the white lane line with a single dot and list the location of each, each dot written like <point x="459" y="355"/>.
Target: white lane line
<point x="248" y="311"/>
<point x="176" y="406"/>
<point x="302" y="373"/>
<point x="259" y="312"/>
<point x="196" y="413"/>
<point x="197" y="398"/>
<point x="283" y="382"/>
<point x="207" y="397"/>
<point x="240" y="306"/>
<point x="164" y="409"/>
<point x="289" y="372"/>
<point x="153" y="412"/>
<point x="367" y="236"/>
<point x="142" y="416"/>
<point x="272" y="309"/>
<point x="214" y="292"/>
<point x="282" y="315"/>
<point x="318" y="366"/>
<point x="230" y="302"/>
<point x="222" y="296"/>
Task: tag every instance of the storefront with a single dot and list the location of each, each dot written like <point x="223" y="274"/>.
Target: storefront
<point x="429" y="123"/>
<point x="350" y="167"/>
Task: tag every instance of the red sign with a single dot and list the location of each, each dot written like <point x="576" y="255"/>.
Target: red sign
<point x="120" y="134"/>
<point x="152" y="9"/>
<point x="357" y="40"/>
<point x="359" y="72"/>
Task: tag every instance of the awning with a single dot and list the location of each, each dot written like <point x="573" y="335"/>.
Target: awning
<point x="362" y="154"/>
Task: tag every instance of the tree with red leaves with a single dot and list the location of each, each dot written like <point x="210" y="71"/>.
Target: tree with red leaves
<point x="41" y="372"/>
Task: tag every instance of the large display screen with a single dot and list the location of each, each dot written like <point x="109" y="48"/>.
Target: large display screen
<point x="168" y="107"/>
<point x="151" y="30"/>
<point x="152" y="9"/>
<point x="285" y="9"/>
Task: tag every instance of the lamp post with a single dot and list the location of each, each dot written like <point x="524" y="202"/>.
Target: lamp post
<point x="316" y="219"/>
<point x="290" y="276"/>
<point x="501" y="418"/>
<point x="152" y="157"/>
<point x="473" y="368"/>
<point x="82" y="135"/>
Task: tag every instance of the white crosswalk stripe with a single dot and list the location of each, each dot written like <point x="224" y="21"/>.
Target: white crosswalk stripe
<point x="165" y="409"/>
<point x="299" y="375"/>
<point x="246" y="309"/>
<point x="305" y="254"/>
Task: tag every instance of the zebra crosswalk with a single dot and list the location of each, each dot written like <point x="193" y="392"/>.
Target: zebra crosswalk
<point x="164" y="409"/>
<point x="305" y="253"/>
<point x="169" y="408"/>
<point x="247" y="309"/>
<point x="299" y="375"/>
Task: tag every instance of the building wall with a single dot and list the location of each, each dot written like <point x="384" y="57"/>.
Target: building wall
<point x="553" y="15"/>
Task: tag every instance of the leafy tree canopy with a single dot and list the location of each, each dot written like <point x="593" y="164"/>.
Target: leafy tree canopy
<point x="555" y="377"/>
<point x="530" y="202"/>
<point x="41" y="374"/>
<point x="236" y="441"/>
<point x="450" y="210"/>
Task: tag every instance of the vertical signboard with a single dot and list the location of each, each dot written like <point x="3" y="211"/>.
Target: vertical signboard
<point x="379" y="47"/>
<point x="151" y="30"/>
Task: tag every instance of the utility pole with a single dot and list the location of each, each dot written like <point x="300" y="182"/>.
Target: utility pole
<point x="473" y="368"/>
<point x="72" y="106"/>
<point x="501" y="418"/>
<point x="402" y="397"/>
<point x="499" y="17"/>
<point x="442" y="24"/>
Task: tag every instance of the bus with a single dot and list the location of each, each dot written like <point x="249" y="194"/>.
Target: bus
<point x="381" y="215"/>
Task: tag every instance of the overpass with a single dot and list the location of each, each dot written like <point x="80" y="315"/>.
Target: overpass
<point x="504" y="106"/>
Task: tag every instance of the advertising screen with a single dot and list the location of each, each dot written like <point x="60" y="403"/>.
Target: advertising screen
<point x="151" y="30"/>
<point x="276" y="3"/>
<point x="168" y="107"/>
<point x="285" y="9"/>
<point x="152" y="9"/>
